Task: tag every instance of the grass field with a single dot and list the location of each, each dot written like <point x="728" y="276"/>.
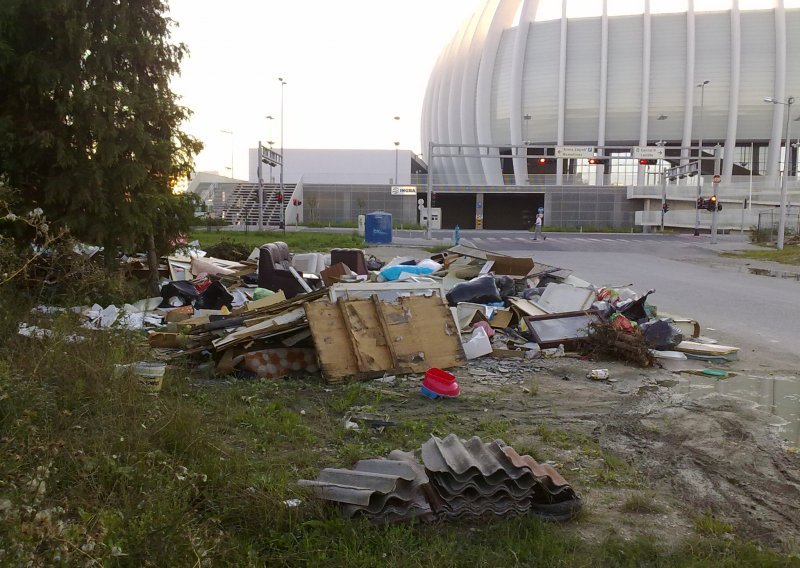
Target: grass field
<point x="96" y="472"/>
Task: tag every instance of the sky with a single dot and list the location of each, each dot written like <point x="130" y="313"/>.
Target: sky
<point x="350" y="67"/>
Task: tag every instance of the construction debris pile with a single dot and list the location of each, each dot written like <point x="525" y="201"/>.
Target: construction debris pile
<point x="276" y="313"/>
<point x="455" y="479"/>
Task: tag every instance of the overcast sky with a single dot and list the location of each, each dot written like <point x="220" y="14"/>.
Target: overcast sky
<point x="350" y="67"/>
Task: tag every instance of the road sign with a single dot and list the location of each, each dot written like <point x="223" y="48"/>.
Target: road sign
<point x="574" y="151"/>
<point x="648" y="152"/>
<point x="716" y="179"/>
<point x="404" y="190"/>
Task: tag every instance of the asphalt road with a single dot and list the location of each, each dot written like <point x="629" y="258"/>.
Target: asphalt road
<point x="757" y="313"/>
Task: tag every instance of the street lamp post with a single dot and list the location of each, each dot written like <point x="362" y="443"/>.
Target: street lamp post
<point x="396" y="150"/>
<point x="230" y="132"/>
<point x="787" y="159"/>
<point x="700" y="155"/>
<point x="283" y="159"/>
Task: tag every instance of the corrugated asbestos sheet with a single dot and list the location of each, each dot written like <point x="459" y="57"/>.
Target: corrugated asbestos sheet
<point x="457" y="478"/>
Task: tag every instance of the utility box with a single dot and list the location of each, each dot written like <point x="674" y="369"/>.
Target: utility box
<point x="361" y="225"/>
<point x="378" y="228"/>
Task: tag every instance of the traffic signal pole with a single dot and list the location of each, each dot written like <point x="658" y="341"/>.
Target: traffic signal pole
<point x="715" y="185"/>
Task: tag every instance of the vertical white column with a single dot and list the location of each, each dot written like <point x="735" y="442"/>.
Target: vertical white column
<point x="780" y="91"/>
<point x="603" y="104"/>
<point x="645" y="110"/>
<point x="503" y="17"/>
<point x="733" y="93"/>
<point x="562" y="90"/>
<point x="517" y="74"/>
<point x="689" y="82"/>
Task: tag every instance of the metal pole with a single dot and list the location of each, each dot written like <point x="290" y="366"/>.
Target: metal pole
<point x="714" y="185"/>
<point x="786" y="160"/>
<point x="700" y="154"/>
<point x="752" y="164"/>
<point x="283" y="159"/>
<point x="430" y="190"/>
<point x="663" y="196"/>
<point x="396" y="149"/>
<point x="699" y="195"/>
<point x="260" y="191"/>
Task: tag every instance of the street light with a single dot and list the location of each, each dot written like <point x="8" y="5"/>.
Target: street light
<point x="700" y="155"/>
<point x="283" y="204"/>
<point x="230" y="132"/>
<point x="396" y="150"/>
<point x="788" y="156"/>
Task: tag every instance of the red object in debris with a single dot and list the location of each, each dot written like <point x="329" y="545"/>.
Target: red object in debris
<point x="201" y="285"/>
<point x="441" y="382"/>
<point x="622" y="323"/>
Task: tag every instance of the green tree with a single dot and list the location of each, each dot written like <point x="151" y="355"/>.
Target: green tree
<point x="90" y="130"/>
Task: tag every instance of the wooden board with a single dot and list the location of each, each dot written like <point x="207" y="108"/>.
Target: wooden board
<point x="332" y="340"/>
<point x="423" y="334"/>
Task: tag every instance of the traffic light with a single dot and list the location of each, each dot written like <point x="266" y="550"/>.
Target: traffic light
<point x="543" y="161"/>
<point x="296" y="202"/>
<point x="713" y="204"/>
<point x="597" y="161"/>
<point x="279" y="196"/>
<point x="701" y="203"/>
<point x="645" y="162"/>
<point x="665" y="207"/>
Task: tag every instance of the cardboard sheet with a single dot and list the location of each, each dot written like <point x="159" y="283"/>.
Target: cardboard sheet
<point x="363" y="338"/>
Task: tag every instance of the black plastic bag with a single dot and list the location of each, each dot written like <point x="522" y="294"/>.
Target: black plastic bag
<point x="479" y="290"/>
<point x="661" y="334"/>
<point x="635" y="310"/>
<point x="214" y="297"/>
<point x="184" y="290"/>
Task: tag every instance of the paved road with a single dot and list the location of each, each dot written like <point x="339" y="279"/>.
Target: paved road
<point x="750" y="311"/>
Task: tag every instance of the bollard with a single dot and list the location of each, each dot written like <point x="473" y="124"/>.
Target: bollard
<point x="456" y="234"/>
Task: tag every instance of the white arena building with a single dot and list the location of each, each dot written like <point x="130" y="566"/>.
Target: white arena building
<point x="533" y="79"/>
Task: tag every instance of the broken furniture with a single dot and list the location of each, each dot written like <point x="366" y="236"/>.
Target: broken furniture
<point x="275" y="271"/>
<point x="352" y="257"/>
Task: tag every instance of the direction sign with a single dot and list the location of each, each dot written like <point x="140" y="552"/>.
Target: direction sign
<point x="648" y="152"/>
<point x="404" y="190"/>
<point x="574" y="151"/>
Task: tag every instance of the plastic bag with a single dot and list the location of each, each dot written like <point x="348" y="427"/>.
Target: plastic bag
<point x="480" y="290"/>
<point x="662" y="334"/>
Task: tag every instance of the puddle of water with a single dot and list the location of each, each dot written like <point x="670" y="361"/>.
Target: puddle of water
<point x="780" y="396"/>
<point x="773" y="273"/>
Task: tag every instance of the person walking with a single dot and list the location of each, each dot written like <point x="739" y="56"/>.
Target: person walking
<point x="538" y="230"/>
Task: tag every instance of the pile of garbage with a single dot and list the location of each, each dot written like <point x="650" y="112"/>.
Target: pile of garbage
<point x="448" y="479"/>
<point x="351" y="317"/>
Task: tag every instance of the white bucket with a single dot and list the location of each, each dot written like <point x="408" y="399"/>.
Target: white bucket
<point x="151" y="374"/>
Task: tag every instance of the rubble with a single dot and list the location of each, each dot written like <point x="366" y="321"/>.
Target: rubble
<point x="275" y="313"/>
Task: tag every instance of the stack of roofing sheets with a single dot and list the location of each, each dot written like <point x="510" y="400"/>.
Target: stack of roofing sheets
<point x="459" y="479"/>
<point x="474" y="479"/>
<point x="382" y="490"/>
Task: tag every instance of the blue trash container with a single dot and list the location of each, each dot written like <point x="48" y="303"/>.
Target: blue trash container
<point x="378" y="228"/>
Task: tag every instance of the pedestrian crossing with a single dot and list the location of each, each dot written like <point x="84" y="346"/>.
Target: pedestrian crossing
<point x="554" y="238"/>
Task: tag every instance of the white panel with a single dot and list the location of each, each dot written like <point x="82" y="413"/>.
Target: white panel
<point x="540" y="83"/>
<point x="624" y="79"/>
<point x="713" y="53"/>
<point x="667" y="76"/>
<point x="501" y="90"/>
<point x="583" y="80"/>
<point x="758" y="73"/>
